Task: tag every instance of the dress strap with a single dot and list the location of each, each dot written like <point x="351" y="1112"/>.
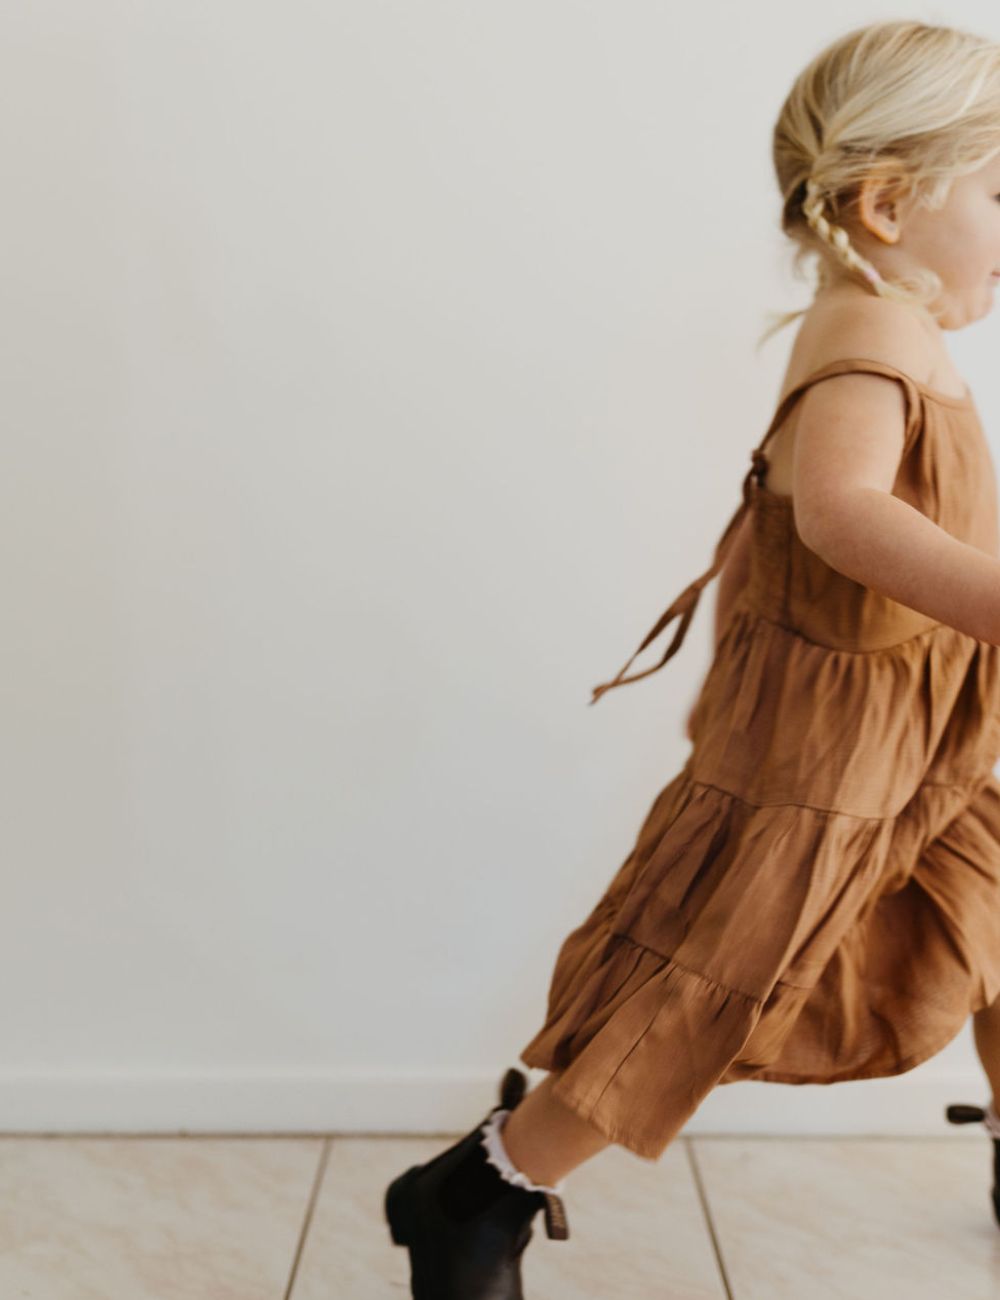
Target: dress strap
<point x="686" y="603"/>
<point x="844" y="366"/>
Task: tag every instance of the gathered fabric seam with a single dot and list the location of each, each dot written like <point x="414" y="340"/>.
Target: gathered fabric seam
<point x="747" y="609"/>
<point x="826" y="812"/>
<point x="689" y="970"/>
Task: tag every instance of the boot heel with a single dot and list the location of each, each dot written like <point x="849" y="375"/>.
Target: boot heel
<point x="962" y="1112"/>
<point x="397" y="1211"/>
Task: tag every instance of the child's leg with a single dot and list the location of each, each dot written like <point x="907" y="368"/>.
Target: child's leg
<point x="986" y="1031"/>
<point x="546" y="1140"/>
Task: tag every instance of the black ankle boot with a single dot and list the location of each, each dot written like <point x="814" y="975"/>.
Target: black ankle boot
<point x="964" y="1113"/>
<point x="465" y="1226"/>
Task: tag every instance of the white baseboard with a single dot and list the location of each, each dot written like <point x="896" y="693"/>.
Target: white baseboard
<point x="373" y="1102"/>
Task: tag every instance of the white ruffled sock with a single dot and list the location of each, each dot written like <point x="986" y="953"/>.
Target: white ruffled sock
<point x="992" y="1121"/>
<point x="496" y="1155"/>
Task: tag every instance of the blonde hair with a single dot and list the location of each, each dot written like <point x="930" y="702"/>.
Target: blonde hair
<point x="917" y="104"/>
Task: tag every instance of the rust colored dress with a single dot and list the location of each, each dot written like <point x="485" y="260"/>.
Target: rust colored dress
<point x="815" y="896"/>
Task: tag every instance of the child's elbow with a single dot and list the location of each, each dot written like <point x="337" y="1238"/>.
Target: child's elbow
<point x="821" y="525"/>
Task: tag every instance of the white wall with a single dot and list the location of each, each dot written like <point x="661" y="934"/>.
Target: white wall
<point x="375" y="374"/>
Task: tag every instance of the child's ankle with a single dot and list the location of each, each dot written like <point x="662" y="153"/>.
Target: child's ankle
<point x="498" y="1156"/>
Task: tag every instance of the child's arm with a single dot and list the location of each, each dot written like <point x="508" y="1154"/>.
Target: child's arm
<point x="848" y="443"/>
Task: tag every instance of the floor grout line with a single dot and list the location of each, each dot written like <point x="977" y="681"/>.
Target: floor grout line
<point x="706" y="1211"/>
<point x="324" y="1157"/>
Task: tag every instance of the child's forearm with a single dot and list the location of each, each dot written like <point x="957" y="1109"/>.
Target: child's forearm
<point x="886" y="544"/>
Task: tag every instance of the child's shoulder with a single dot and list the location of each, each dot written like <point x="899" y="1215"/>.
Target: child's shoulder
<point x="841" y="325"/>
<point x="836" y="328"/>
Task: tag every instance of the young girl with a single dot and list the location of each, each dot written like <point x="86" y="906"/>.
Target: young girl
<point x="815" y="896"/>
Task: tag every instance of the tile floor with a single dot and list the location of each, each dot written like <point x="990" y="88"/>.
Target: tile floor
<point x="262" y="1218"/>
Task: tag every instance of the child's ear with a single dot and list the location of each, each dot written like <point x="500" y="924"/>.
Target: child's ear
<point x="879" y="207"/>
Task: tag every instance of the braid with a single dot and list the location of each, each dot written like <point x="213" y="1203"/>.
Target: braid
<point x="836" y="237"/>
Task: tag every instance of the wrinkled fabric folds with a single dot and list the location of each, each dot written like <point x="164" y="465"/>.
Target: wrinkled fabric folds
<point x="815" y="896"/>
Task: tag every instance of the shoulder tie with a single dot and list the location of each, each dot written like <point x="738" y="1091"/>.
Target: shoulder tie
<point x="686" y="603"/>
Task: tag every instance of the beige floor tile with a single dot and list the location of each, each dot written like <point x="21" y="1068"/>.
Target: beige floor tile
<point x="637" y="1231"/>
<point x="853" y="1219"/>
<point x="348" y="1253"/>
<point x="152" y="1218"/>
